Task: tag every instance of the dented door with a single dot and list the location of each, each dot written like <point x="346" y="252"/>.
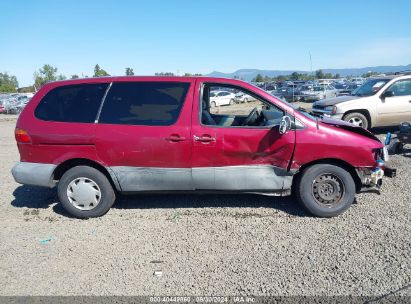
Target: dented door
<point x="240" y="158"/>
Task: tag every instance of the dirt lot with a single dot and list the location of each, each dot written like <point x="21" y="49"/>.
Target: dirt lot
<point x="202" y="244"/>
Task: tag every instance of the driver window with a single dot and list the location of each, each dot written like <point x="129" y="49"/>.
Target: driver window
<point x="231" y="106"/>
<point x="401" y="88"/>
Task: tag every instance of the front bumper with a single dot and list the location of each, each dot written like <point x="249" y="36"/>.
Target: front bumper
<point x="34" y="174"/>
<point x="327" y="113"/>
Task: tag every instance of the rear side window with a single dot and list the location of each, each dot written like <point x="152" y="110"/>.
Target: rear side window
<point x="144" y="103"/>
<point x="74" y="103"/>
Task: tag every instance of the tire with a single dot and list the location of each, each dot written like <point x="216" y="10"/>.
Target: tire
<point x="325" y="190"/>
<point x="357" y="119"/>
<point x="212" y="104"/>
<point x="88" y="178"/>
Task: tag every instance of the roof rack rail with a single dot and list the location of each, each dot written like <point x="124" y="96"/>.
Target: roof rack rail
<point x="406" y="72"/>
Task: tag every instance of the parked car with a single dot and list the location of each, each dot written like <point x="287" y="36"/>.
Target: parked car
<point x="292" y="93"/>
<point x="318" y="92"/>
<point x="242" y="97"/>
<point x="358" y="80"/>
<point x="96" y="137"/>
<point x="348" y="90"/>
<point x="378" y="102"/>
<point x="222" y="98"/>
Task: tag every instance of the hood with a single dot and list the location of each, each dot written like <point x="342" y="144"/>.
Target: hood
<point x="349" y="127"/>
<point x="334" y="101"/>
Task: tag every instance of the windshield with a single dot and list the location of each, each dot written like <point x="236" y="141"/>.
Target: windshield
<point x="296" y="108"/>
<point x="370" y="87"/>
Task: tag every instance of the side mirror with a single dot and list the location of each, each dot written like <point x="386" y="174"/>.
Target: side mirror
<point x="285" y="125"/>
<point x="387" y="94"/>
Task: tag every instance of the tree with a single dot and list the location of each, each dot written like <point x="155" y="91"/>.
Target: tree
<point x="129" y="72"/>
<point x="75" y="76"/>
<point x="8" y="83"/>
<point x="295" y="76"/>
<point x="369" y="74"/>
<point x="28" y="89"/>
<point x="319" y="74"/>
<point x="99" y="72"/>
<point x="258" y="78"/>
<point x="46" y="74"/>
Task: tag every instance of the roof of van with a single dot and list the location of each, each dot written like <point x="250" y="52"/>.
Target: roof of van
<point x="142" y="78"/>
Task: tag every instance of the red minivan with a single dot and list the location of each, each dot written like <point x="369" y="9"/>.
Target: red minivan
<point x="97" y="137"/>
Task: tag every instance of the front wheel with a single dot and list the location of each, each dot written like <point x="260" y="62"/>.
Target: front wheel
<point x="357" y="119"/>
<point x="325" y="190"/>
<point x="85" y="192"/>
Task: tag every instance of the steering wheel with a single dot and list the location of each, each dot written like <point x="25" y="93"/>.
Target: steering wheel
<point x="250" y="117"/>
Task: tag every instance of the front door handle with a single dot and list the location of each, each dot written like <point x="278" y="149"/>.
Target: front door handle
<point x="175" y="138"/>
<point x="204" y="138"/>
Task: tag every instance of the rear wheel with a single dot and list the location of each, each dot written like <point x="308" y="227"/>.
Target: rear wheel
<point x="85" y="192"/>
<point x="325" y="190"/>
<point x="357" y="119"/>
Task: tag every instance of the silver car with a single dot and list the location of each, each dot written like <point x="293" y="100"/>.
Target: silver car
<point x="318" y="92"/>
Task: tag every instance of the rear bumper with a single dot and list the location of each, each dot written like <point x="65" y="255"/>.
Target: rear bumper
<point x="34" y="174"/>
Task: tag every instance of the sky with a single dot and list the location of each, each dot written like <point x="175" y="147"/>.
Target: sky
<point x="200" y="36"/>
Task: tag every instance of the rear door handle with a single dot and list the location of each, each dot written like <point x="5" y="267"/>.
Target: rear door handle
<point x="205" y="138"/>
<point x="175" y="138"/>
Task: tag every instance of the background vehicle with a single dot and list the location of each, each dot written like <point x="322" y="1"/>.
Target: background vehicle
<point x="222" y="98"/>
<point x="348" y="89"/>
<point x="242" y="97"/>
<point x="161" y="134"/>
<point x="358" y="80"/>
<point x="378" y="102"/>
<point x="318" y="92"/>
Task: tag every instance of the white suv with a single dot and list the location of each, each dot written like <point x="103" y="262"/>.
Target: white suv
<point x="382" y="101"/>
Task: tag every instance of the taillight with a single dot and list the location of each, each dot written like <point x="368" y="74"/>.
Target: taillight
<point x="22" y="136"/>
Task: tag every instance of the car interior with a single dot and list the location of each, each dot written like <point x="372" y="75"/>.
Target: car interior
<point x="255" y="113"/>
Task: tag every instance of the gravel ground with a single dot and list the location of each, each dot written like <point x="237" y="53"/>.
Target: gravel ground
<point x="202" y="244"/>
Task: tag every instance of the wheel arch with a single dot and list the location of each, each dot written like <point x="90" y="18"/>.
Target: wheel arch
<point x="70" y="163"/>
<point x="331" y="161"/>
<point x="365" y="112"/>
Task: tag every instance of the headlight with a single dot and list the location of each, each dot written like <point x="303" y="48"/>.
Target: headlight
<point x="332" y="109"/>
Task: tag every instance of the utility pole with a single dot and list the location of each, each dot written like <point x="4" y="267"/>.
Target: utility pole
<point x="311" y="63"/>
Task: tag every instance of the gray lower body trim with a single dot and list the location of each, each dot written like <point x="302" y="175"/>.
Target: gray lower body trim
<point x="228" y="178"/>
<point x="34" y="174"/>
<point x="152" y="179"/>
<point x="241" y="178"/>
